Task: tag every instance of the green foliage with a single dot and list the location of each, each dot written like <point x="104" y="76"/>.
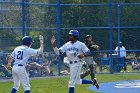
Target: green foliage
<point x="98" y="16"/>
<point x="40" y="17"/>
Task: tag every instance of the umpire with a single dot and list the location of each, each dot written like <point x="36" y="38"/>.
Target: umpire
<point x="90" y="44"/>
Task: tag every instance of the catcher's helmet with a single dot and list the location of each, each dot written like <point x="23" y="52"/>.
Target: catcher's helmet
<point x="75" y="33"/>
<point x="27" y="40"/>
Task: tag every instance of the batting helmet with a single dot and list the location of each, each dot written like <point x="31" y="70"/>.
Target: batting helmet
<point x="75" y="33"/>
<point x="27" y="40"/>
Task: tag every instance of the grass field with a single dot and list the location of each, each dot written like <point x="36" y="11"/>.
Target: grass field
<point x="60" y="85"/>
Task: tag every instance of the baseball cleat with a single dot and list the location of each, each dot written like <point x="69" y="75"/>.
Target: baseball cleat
<point x="95" y="83"/>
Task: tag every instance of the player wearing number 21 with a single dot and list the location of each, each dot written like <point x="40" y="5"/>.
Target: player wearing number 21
<point x="20" y="55"/>
<point x="75" y="51"/>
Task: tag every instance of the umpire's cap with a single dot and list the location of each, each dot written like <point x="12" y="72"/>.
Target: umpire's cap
<point x="88" y="35"/>
<point x="27" y="40"/>
<point x="75" y="33"/>
<point x="121" y="44"/>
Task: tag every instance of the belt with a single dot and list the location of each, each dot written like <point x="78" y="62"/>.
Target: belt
<point x="20" y="65"/>
<point x="72" y="62"/>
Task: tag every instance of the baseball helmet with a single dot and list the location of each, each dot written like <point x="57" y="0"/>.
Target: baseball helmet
<point x="27" y="40"/>
<point x="75" y="33"/>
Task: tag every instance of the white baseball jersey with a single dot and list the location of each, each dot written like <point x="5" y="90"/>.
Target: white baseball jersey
<point x="21" y="54"/>
<point x="72" y="51"/>
<point x="122" y="51"/>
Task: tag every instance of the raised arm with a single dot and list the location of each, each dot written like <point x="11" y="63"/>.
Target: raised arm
<point x="41" y="44"/>
<point x="53" y="42"/>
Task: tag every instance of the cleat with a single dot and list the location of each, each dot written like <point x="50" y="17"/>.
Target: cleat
<point x="95" y="83"/>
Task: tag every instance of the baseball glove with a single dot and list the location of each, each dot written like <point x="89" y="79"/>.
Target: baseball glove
<point x="8" y="68"/>
<point x="95" y="47"/>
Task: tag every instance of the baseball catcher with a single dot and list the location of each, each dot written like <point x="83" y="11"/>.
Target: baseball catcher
<point x="91" y="46"/>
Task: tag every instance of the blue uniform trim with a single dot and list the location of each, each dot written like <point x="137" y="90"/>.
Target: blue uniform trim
<point x="61" y="52"/>
<point x="84" y="81"/>
<point x="87" y="53"/>
<point x="27" y="91"/>
<point x="13" y="90"/>
<point x="71" y="89"/>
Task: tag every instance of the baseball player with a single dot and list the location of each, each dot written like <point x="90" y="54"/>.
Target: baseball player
<point x="20" y="55"/>
<point x="91" y="46"/>
<point x="75" y="52"/>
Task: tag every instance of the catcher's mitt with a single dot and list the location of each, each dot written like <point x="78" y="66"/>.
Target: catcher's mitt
<point x="95" y="47"/>
<point x="8" y="67"/>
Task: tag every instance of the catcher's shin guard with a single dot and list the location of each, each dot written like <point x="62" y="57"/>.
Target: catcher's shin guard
<point x="87" y="72"/>
<point x="91" y="67"/>
<point x="92" y="75"/>
<point x="95" y="82"/>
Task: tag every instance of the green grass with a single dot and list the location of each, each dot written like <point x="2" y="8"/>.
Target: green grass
<point x="60" y="85"/>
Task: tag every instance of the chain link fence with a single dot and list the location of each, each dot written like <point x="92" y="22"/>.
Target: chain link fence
<point x="35" y="17"/>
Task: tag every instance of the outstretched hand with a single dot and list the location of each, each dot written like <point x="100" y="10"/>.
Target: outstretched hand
<point x="41" y="39"/>
<point x="53" y="41"/>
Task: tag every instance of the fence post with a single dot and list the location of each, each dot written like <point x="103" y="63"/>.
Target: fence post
<point x="58" y="33"/>
<point x="110" y="30"/>
<point x="23" y="18"/>
<point x="118" y="14"/>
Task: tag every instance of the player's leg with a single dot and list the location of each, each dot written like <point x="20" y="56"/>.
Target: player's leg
<point x="27" y="91"/>
<point x="92" y="75"/>
<point x="88" y="60"/>
<point x="23" y="76"/>
<point x="72" y="77"/>
<point x="13" y="90"/>
<point x="81" y="81"/>
<point x="16" y="80"/>
<point x="71" y="90"/>
<point x="125" y="64"/>
<point x="74" y="73"/>
<point x="94" y="67"/>
<point x="84" y="74"/>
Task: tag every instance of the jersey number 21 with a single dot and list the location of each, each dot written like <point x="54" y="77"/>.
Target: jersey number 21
<point x="20" y="55"/>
